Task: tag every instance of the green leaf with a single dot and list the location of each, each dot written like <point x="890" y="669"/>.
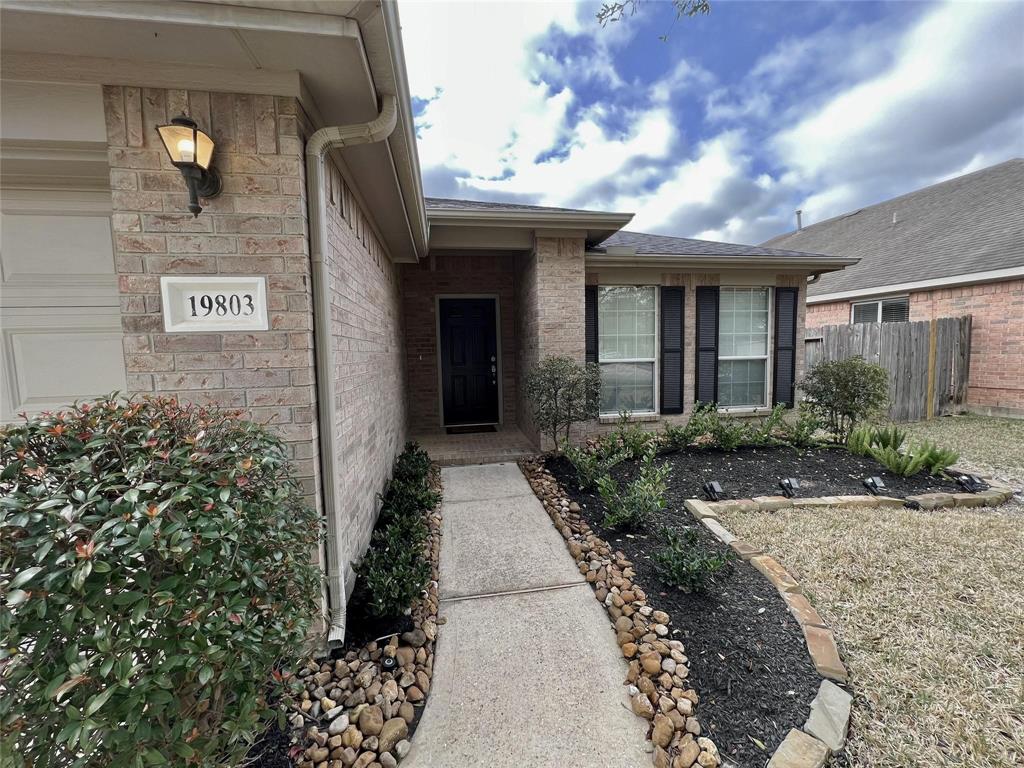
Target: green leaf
<point x="99" y="700"/>
<point x="205" y="673"/>
<point x="24" y="576"/>
<point x="146" y="536"/>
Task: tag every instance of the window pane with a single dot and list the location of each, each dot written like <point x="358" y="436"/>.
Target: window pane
<point x="627" y="385"/>
<point x="741" y="382"/>
<point x="896" y="310"/>
<point x="865" y="313"/>
<point x="626" y="322"/>
<point x="743" y="325"/>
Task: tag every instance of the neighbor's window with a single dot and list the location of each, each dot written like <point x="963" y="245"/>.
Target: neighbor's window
<point x="884" y="311"/>
<point x="626" y="347"/>
<point x="743" y="347"/>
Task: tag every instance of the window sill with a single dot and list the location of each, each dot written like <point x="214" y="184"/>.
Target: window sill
<point x="634" y="418"/>
<point x="753" y="410"/>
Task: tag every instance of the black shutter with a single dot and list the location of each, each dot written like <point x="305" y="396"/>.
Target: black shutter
<point x="590" y="318"/>
<point x="707" y="344"/>
<point x="785" y="346"/>
<point x="671" y="349"/>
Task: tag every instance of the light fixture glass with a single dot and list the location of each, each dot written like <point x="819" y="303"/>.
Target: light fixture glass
<point x="186" y="144"/>
<point x="191" y="152"/>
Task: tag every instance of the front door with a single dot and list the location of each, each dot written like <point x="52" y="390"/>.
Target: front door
<point x="469" y="361"/>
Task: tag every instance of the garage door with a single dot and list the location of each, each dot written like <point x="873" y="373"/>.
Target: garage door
<point x="59" y="317"/>
<point x="60" y="326"/>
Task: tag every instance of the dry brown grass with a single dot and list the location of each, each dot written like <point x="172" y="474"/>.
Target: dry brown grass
<point x="992" y="446"/>
<point x="928" y="609"/>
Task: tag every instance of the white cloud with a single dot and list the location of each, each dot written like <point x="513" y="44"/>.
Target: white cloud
<point x="526" y="101"/>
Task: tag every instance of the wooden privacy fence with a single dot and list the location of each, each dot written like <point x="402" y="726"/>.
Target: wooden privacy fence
<point x="928" y="361"/>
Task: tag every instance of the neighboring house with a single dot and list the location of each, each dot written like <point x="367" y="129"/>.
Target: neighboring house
<point x="954" y="248"/>
<point x="320" y="291"/>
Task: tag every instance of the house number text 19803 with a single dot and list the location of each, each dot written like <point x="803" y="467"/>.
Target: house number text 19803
<point x="221" y="304"/>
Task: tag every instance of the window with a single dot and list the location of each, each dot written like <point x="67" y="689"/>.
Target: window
<point x="743" y="330"/>
<point x="627" y="344"/>
<point x="884" y="311"/>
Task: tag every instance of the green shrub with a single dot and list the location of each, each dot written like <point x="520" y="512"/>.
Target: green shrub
<point x="156" y="561"/>
<point x="846" y="392"/>
<point x="888" y="437"/>
<point x="562" y="392"/>
<point x="936" y="459"/>
<point x="861" y="440"/>
<point x="703" y="421"/>
<point x="395" y="568"/>
<point x="591" y="464"/>
<point x="800" y="432"/>
<point x="763" y="432"/>
<point x="685" y="563"/>
<point x="678" y="437"/>
<point x="413" y="464"/>
<point x="903" y="464"/>
<point x="730" y="433"/>
<point x="633" y="507"/>
<point x="633" y="439"/>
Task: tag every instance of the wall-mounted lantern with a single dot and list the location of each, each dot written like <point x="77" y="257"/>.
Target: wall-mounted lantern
<point x="191" y="151"/>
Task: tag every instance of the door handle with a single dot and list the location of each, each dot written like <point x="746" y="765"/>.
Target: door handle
<point x="493" y="358"/>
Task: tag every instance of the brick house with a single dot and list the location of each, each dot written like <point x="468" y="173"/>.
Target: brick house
<point x="954" y="248"/>
<point x="356" y="313"/>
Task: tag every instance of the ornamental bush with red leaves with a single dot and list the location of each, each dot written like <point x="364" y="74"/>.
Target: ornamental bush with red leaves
<point x="156" y="561"/>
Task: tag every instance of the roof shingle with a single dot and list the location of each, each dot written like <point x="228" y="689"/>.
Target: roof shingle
<point x="973" y="223"/>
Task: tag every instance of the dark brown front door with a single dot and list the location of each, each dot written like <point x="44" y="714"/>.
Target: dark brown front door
<point x="469" y="361"/>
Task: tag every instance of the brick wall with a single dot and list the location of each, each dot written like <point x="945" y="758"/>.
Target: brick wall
<point x="454" y="273"/>
<point x="830" y="313"/>
<point x="369" y="367"/>
<point x="996" y="381"/>
<point x="256" y="226"/>
<point x="550" y="302"/>
<point x="997" y="337"/>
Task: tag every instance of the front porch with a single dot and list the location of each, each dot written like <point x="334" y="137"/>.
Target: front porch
<point x="504" y="443"/>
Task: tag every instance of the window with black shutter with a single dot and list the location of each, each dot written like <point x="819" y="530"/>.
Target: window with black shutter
<point x="707" y="344"/>
<point x="672" y="349"/>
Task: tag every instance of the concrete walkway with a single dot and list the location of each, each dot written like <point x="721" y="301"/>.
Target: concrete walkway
<point x="527" y="672"/>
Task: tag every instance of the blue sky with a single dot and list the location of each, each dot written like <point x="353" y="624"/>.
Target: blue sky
<point x="725" y="128"/>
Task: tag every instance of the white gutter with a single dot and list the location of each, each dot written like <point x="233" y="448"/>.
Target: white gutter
<point x="811" y="263"/>
<point x="319" y="144"/>
<point x="989" y="276"/>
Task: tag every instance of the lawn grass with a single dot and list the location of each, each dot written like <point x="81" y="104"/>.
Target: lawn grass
<point x="928" y="610"/>
<point x="992" y="446"/>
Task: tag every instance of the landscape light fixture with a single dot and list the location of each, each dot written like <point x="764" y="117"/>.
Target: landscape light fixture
<point x="191" y="151"/>
<point x="875" y="485"/>
<point x="388" y="662"/>
<point x="789" y="486"/>
<point x="972" y="483"/>
<point x="713" y="490"/>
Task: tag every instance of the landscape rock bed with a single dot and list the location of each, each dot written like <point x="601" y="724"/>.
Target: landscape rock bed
<point x="658" y="676"/>
<point x="749" y="472"/>
<point x="746" y="654"/>
<point x="360" y="708"/>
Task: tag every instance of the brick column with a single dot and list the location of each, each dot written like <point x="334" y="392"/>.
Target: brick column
<point x="257" y="226"/>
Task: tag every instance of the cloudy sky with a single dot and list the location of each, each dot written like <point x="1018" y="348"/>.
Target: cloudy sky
<point x="729" y="125"/>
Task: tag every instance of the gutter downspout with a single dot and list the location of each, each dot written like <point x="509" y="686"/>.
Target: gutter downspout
<point x="325" y="139"/>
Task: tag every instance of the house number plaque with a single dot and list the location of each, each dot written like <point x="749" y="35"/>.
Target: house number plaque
<point x="221" y="303"/>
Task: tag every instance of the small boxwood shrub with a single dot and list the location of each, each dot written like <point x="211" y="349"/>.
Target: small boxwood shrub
<point x="685" y="563"/>
<point x="846" y="392"/>
<point x="156" y="561"/>
<point x="395" y="568"/>
<point x="633" y="439"/>
<point x="592" y="464"/>
<point x="562" y="392"/>
<point x="632" y="507"/>
<point x="800" y="432"/>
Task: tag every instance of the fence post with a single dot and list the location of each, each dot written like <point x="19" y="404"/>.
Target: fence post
<point x="929" y="412"/>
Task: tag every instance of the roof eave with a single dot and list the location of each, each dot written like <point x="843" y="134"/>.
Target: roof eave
<point x="809" y="263"/>
<point x="598" y="225"/>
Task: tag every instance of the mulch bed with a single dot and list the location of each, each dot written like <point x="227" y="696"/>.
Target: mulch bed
<point x="750" y="472"/>
<point x="747" y="655"/>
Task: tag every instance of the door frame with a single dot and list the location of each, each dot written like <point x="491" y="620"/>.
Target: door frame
<point x="440" y="372"/>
